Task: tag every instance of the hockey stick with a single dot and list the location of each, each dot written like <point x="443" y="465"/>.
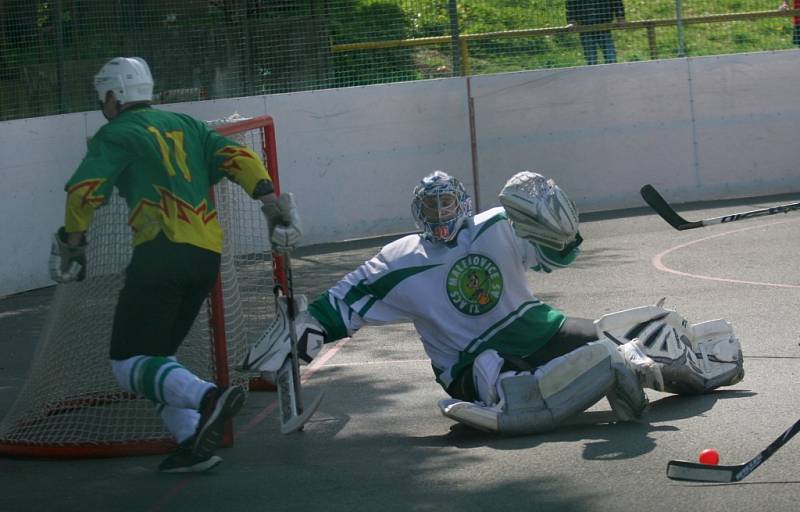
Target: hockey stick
<point x="293" y="414"/>
<point x="697" y="472"/>
<point x="661" y="207"/>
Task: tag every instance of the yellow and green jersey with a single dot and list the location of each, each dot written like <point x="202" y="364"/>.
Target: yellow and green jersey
<point x="163" y="164"/>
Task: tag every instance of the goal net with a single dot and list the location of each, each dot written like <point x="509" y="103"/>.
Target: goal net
<point x="70" y="404"/>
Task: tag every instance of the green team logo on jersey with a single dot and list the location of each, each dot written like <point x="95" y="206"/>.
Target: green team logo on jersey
<point x="474" y="284"/>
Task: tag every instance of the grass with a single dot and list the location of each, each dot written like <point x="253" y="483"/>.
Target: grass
<point x="28" y="81"/>
<point x="500" y="55"/>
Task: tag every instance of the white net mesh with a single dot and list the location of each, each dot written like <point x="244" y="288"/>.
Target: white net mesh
<point x="71" y="399"/>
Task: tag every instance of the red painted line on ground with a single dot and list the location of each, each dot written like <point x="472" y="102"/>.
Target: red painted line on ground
<point x="311" y="369"/>
<point x="376" y="363"/>
<point x="173" y="493"/>
<point x="659" y="264"/>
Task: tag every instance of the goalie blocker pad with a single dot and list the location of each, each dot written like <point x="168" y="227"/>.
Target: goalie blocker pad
<point x="273" y="347"/>
<point x="694" y="359"/>
<point x="537" y="402"/>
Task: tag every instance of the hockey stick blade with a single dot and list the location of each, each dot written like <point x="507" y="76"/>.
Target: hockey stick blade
<point x="663" y="209"/>
<point x="297" y="422"/>
<point x="698" y="472"/>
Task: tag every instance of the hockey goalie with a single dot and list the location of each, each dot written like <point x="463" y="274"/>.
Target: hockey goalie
<point x="510" y="363"/>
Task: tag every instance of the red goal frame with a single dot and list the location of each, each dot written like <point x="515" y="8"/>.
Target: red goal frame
<point x="219" y="343"/>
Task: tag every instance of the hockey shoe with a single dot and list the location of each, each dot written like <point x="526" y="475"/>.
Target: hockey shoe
<point x="184" y="460"/>
<point x="218" y="406"/>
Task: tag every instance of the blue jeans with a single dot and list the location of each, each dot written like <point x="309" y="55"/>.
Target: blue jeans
<point x="600" y="39"/>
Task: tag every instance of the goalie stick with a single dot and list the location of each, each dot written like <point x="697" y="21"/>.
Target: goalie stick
<point x="698" y="472"/>
<point x="293" y="412"/>
<point x="662" y="208"/>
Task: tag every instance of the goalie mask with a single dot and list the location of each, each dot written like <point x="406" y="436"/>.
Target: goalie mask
<point x="440" y="206"/>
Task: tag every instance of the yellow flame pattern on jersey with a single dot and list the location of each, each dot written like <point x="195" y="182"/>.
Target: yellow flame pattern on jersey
<point x="83" y="199"/>
<point x="180" y="221"/>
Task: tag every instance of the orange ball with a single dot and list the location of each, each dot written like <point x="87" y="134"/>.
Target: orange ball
<point x="709" y="456"/>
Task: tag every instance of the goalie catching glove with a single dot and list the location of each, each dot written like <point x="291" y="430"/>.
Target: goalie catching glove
<point x="540" y="211"/>
<point x="283" y="221"/>
<point x="67" y="262"/>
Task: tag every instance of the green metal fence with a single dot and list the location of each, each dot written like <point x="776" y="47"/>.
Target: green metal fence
<point x="50" y="50"/>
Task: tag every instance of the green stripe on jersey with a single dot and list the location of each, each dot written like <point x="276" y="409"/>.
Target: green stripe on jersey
<point x="489" y="223"/>
<point x="383" y="285"/>
<point x="324" y="310"/>
<point x="556" y="258"/>
<point x="520" y="333"/>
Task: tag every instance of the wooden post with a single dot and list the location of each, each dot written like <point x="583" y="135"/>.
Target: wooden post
<point x="651" y="41"/>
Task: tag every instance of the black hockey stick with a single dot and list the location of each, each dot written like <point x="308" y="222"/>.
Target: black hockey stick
<point x="698" y="472"/>
<point x="661" y="207"/>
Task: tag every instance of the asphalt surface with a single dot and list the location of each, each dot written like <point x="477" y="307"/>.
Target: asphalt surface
<point x="378" y="441"/>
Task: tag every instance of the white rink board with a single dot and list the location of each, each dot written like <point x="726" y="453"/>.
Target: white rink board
<point x="747" y="117"/>
<point x="345" y="153"/>
<point x="37" y="156"/>
<point x="354" y="155"/>
<point x="701" y="128"/>
<point x="600" y="132"/>
<point x="351" y="156"/>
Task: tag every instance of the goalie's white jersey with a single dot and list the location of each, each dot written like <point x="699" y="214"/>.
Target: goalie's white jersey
<point x="463" y="297"/>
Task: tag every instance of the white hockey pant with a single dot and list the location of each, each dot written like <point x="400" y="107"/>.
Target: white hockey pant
<point x="538" y="401"/>
<point x="693" y="358"/>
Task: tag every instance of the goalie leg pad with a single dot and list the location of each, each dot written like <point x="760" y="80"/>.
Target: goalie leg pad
<point x="633" y="371"/>
<point x="693" y="358"/>
<point x="715" y="359"/>
<point x="626" y="396"/>
<point x="275" y="344"/>
<point x="539" y="401"/>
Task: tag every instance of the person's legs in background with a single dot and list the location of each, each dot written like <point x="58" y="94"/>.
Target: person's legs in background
<point x="588" y="43"/>
<point x="606" y="42"/>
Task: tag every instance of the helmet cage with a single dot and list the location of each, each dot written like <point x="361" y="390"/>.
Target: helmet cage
<point x="440" y="206"/>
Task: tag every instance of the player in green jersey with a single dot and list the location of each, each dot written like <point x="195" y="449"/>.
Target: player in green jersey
<point x="163" y="164"/>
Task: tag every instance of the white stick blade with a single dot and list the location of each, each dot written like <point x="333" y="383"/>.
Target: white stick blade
<point x="297" y="422"/>
<point x="694" y="472"/>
